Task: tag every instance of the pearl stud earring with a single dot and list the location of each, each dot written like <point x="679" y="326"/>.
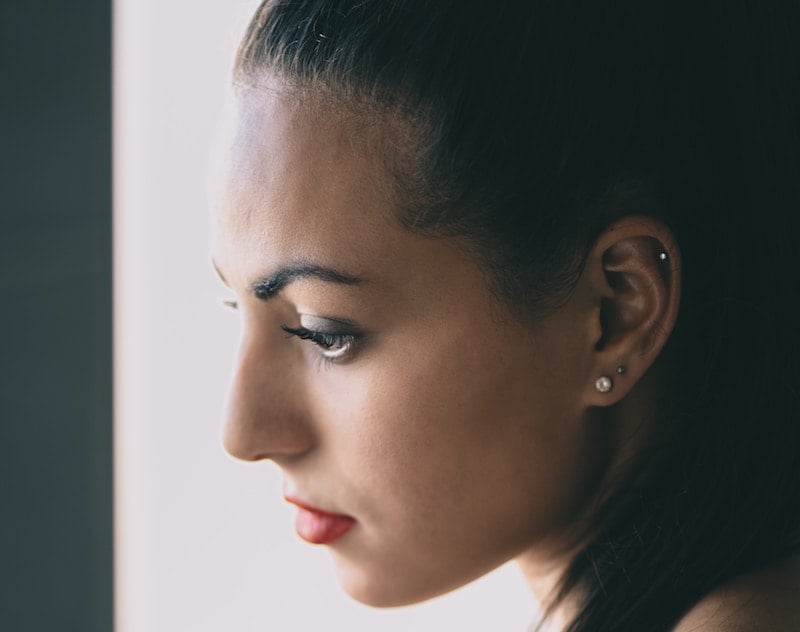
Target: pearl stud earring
<point x="603" y="384"/>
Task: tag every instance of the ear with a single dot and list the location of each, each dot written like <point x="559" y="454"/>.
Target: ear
<point x="633" y="276"/>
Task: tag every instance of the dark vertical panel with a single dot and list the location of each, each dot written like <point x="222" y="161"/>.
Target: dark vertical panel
<point x="55" y="316"/>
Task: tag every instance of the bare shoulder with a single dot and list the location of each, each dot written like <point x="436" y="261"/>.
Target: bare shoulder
<point x="767" y="600"/>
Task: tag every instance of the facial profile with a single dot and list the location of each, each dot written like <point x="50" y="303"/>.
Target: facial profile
<point x="381" y="373"/>
<point x="503" y="296"/>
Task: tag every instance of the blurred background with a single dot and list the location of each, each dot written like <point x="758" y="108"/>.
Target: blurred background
<point x="190" y="539"/>
<point x="55" y="316"/>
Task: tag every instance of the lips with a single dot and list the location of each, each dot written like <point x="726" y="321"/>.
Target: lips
<point x="317" y="526"/>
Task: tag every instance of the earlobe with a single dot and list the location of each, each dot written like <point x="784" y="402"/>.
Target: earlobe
<point x="636" y="271"/>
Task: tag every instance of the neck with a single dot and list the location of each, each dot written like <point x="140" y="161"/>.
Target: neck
<point x="544" y="577"/>
<point x="631" y="421"/>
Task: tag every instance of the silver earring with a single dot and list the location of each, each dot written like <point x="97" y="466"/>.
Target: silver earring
<point x="603" y="384"/>
<point x="662" y="256"/>
<point x="621" y="369"/>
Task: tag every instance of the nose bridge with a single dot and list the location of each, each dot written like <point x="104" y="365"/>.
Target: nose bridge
<point x="264" y="414"/>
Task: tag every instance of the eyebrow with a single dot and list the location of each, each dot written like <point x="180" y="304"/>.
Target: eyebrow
<point x="269" y="286"/>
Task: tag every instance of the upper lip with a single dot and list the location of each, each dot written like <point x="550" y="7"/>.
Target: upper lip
<point x="308" y="507"/>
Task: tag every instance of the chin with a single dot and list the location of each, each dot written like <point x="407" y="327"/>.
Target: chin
<point x="379" y="593"/>
<point x="386" y="588"/>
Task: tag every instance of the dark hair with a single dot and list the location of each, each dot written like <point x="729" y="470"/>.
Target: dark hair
<point x="536" y="124"/>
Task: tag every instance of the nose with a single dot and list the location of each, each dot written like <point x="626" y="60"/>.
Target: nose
<point x="264" y="415"/>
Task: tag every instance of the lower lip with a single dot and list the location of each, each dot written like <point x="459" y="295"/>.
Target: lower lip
<point x="318" y="527"/>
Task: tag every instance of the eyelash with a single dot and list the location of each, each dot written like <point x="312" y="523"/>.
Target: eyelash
<point x="333" y="347"/>
<point x="325" y="341"/>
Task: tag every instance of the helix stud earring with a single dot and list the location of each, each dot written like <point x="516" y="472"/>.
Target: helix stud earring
<point x="662" y="256"/>
<point x="621" y="369"/>
<point x="603" y="384"/>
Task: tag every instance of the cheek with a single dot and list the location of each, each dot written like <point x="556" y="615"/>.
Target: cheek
<point x="451" y="467"/>
<point x="456" y="430"/>
<point x="453" y="450"/>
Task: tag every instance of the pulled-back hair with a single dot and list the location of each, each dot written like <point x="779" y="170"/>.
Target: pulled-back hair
<point x="533" y="125"/>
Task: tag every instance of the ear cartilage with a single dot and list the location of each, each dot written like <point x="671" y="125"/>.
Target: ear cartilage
<point x="662" y="256"/>
<point x="603" y="384"/>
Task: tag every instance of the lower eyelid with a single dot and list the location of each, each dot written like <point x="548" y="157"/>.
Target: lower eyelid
<point x="347" y="347"/>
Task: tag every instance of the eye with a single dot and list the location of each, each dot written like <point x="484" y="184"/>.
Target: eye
<point x="332" y="346"/>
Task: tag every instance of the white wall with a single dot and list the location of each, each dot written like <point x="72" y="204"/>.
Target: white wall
<point x="204" y="543"/>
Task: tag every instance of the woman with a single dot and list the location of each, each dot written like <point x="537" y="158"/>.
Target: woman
<point x="516" y="285"/>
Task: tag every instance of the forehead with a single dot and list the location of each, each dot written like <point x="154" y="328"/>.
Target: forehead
<point x="292" y="179"/>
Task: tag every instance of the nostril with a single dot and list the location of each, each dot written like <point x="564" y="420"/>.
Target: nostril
<point x="261" y="444"/>
<point x="255" y="429"/>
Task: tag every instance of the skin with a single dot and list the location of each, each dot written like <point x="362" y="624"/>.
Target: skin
<point x="455" y="435"/>
<point x="762" y="601"/>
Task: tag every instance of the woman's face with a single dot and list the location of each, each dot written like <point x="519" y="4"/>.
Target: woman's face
<point x="378" y="370"/>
